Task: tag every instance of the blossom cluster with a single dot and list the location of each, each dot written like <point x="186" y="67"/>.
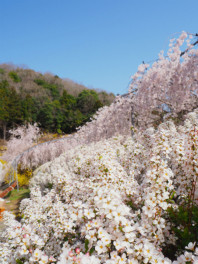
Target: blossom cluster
<point x="107" y="202"/>
<point x="169" y="84"/>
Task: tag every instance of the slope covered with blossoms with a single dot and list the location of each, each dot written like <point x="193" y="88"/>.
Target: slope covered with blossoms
<point x="115" y="198"/>
<point x="168" y="88"/>
<point x="111" y="202"/>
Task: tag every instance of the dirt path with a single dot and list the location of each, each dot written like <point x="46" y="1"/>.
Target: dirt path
<point x="13" y="200"/>
<point x="12" y="207"/>
<point x="12" y="204"/>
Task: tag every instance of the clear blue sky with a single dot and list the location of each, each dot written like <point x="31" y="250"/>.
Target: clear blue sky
<point x="98" y="43"/>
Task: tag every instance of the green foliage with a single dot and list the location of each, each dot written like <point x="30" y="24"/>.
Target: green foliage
<point x="10" y="106"/>
<point x="45" y="116"/>
<point x="68" y="101"/>
<point x="2" y="71"/>
<point x="184" y="223"/>
<point x="45" y="99"/>
<point x="39" y="82"/>
<point x="86" y="245"/>
<point x="92" y="251"/>
<point x="187" y="218"/>
<point x="53" y="88"/>
<point x="88" y="102"/>
<point x="18" y="194"/>
<point x="14" y="76"/>
<point x="131" y="204"/>
<point x="28" y="108"/>
<point x="49" y="185"/>
<point x="59" y="131"/>
<point x="18" y="261"/>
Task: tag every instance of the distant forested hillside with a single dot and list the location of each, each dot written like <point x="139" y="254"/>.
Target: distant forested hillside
<point x="57" y="105"/>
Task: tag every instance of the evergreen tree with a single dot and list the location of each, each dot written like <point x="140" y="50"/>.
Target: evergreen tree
<point x="10" y="107"/>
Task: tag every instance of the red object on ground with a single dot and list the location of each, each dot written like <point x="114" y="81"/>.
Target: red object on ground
<point x="2" y="209"/>
<point x="3" y="194"/>
<point x="6" y="191"/>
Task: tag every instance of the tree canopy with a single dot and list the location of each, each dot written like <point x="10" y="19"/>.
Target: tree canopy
<point x="56" y="105"/>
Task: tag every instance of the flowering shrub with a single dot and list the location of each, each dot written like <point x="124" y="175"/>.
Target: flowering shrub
<point x="3" y="165"/>
<point x="114" y="201"/>
<point x="24" y="176"/>
<point x="167" y="86"/>
<point x="21" y="139"/>
<point x="112" y="198"/>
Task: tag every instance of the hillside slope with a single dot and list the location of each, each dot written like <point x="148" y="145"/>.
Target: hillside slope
<point x="58" y="105"/>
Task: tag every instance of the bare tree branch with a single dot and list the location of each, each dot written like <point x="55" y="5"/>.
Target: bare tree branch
<point x="183" y="52"/>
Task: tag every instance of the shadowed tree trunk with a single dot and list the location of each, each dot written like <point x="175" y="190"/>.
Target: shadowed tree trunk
<point x="4" y="130"/>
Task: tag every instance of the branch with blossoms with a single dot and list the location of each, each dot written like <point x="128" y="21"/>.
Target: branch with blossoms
<point x="169" y="79"/>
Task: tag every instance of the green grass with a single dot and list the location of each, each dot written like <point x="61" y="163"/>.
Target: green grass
<point x="18" y="194"/>
<point x="14" y="199"/>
